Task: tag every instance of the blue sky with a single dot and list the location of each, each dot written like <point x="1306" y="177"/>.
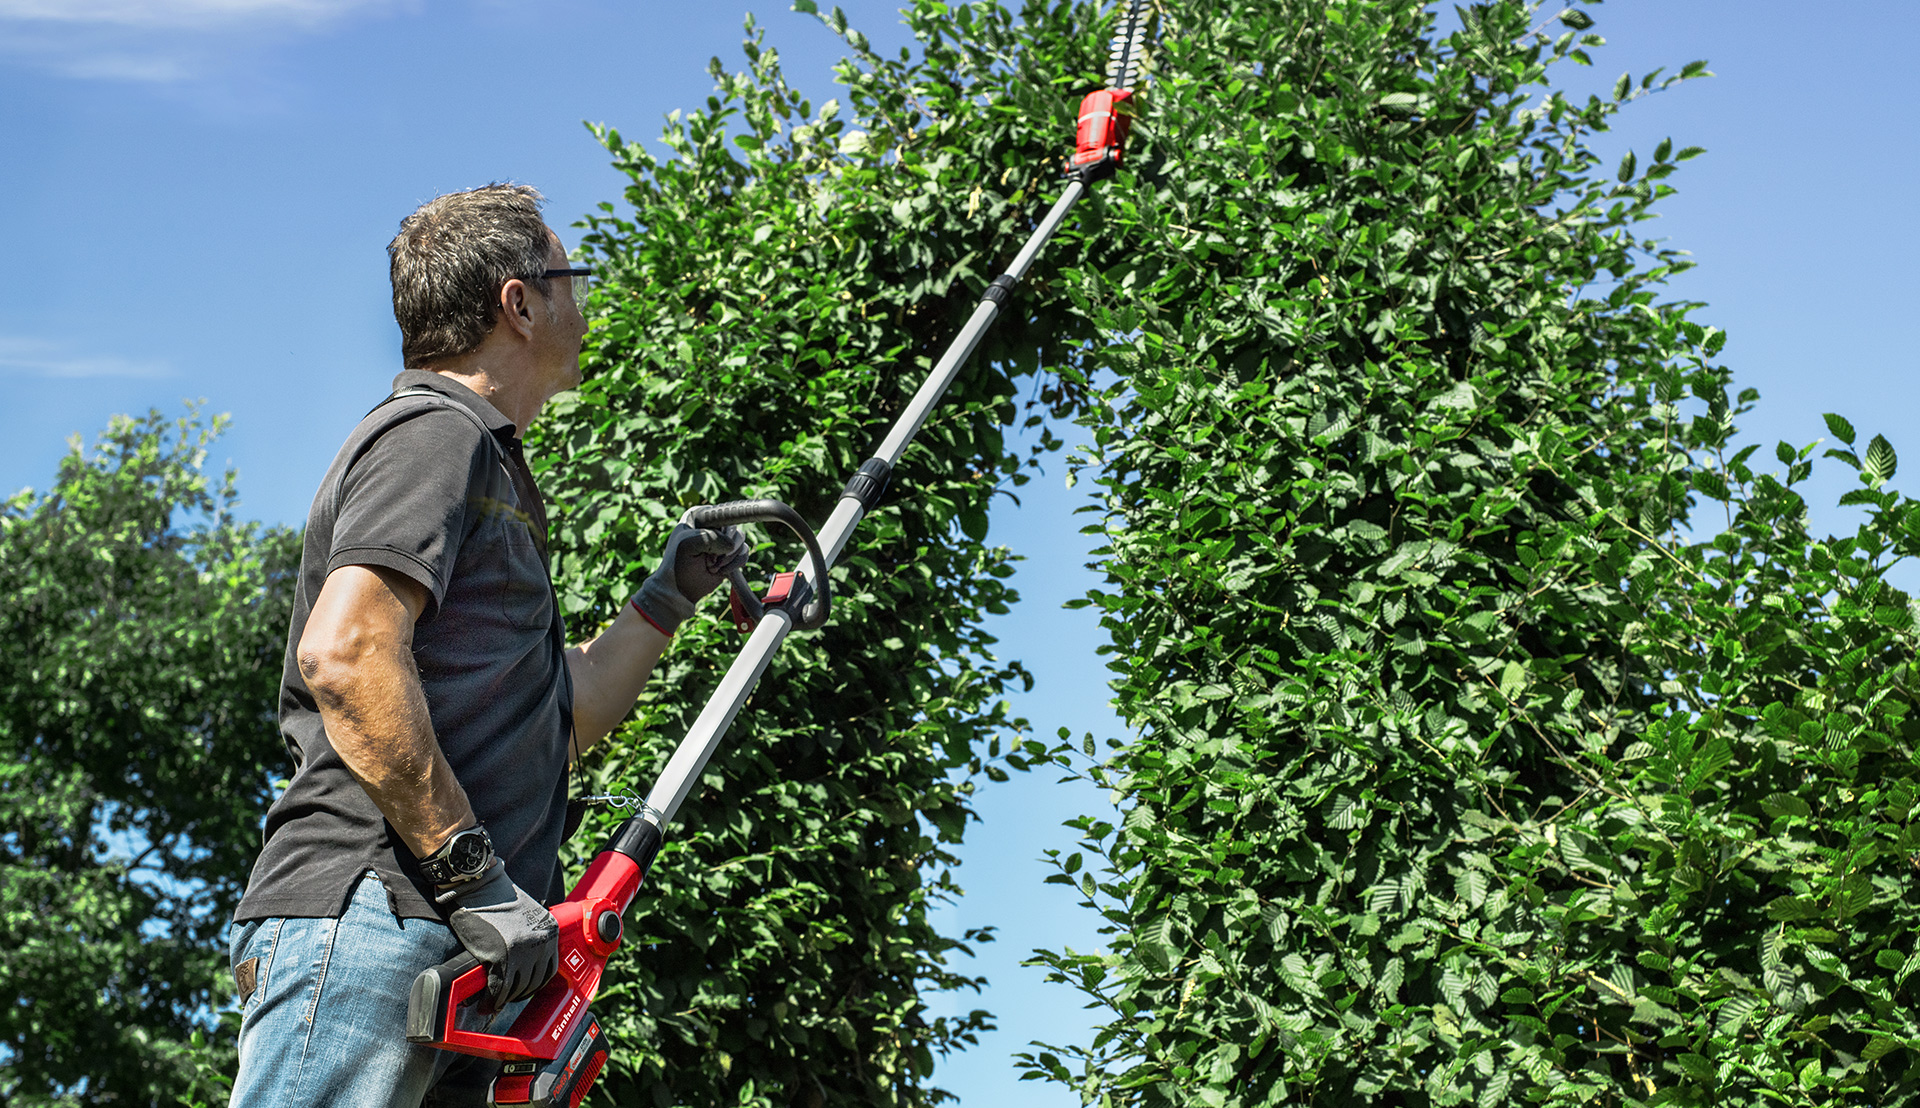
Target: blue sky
<point x="201" y="192"/>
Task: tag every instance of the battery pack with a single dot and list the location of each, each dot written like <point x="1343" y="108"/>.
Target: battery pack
<point x="563" y="1081"/>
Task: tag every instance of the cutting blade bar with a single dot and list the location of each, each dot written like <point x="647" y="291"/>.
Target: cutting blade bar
<point x="1129" y="44"/>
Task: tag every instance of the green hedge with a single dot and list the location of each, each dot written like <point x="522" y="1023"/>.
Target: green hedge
<point x="1465" y="771"/>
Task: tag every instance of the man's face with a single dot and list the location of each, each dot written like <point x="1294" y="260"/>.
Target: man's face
<point x="560" y="345"/>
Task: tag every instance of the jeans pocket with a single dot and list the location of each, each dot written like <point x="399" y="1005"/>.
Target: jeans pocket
<point x="250" y="956"/>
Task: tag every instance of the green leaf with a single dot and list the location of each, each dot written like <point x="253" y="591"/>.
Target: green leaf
<point x="1627" y="165"/>
<point x="1497" y="1086"/>
<point x="1786" y="804"/>
<point x="1880" y="461"/>
<point x="1733" y="1013"/>
<point x="1471" y="886"/>
<point x="1840" y="428"/>
<point x="1711" y="484"/>
<point x="1577" y="19"/>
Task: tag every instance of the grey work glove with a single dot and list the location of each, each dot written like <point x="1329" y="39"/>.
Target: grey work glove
<point x="504" y="927"/>
<point x="695" y="563"/>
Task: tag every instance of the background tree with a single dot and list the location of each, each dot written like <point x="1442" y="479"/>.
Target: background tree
<point x="142" y="629"/>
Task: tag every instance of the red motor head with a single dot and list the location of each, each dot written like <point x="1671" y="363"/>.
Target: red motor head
<point x="1100" y="140"/>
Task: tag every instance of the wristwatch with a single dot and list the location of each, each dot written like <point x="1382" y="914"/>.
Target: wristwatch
<point x="462" y="858"/>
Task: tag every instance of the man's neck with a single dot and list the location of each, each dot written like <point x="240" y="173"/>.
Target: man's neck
<point x="511" y="394"/>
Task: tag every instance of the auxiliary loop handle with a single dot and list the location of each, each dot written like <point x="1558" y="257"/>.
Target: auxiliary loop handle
<point x="813" y="612"/>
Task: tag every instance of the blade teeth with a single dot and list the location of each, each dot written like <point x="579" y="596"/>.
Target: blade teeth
<point x="1123" y="57"/>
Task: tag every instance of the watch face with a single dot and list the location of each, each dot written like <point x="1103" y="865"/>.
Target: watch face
<point x="469" y="854"/>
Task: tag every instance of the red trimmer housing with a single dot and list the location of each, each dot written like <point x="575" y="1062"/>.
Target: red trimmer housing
<point x="555" y="1049"/>
<point x="1101" y="138"/>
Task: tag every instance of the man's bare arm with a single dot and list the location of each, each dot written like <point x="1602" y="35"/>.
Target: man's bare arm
<point x="356" y="655"/>
<point x="608" y="673"/>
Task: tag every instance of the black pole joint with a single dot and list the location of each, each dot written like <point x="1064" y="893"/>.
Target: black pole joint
<point x="1092" y="172"/>
<point x="1001" y="288"/>
<point x="869" y="484"/>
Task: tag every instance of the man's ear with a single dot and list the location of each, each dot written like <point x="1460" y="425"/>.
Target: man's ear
<point x="516" y="311"/>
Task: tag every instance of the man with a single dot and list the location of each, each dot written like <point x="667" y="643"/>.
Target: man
<point x="428" y="698"/>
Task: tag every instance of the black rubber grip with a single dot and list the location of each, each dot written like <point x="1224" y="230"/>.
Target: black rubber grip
<point x="427" y="1014"/>
<point x="747" y="511"/>
<point x="638" y="839"/>
<point x="813" y="614"/>
<point x="869" y="484"/>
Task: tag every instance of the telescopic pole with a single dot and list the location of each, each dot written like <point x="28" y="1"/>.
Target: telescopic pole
<point x="1100" y="140"/>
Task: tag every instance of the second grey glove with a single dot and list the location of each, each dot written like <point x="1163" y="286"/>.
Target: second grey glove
<point x="502" y="926"/>
<point x="694" y="564"/>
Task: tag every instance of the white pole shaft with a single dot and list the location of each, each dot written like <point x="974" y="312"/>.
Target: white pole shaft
<point x="847" y="514"/>
<point x="703" y="738"/>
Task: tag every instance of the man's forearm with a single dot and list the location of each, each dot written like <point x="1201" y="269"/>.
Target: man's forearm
<point x="376" y="718"/>
<point x="608" y="674"/>
<point x="356" y="656"/>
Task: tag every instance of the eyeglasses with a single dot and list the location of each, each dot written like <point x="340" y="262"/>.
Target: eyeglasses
<point x="582" y="280"/>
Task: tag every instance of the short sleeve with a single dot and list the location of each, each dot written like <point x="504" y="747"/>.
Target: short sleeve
<point x="404" y="502"/>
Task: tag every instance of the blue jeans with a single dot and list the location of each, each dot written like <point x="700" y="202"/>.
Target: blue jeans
<point x="326" y="1023"/>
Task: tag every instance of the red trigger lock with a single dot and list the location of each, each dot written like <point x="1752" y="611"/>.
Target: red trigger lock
<point x="782" y="588"/>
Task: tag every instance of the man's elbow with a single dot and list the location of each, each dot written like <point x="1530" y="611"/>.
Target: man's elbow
<point x="331" y="660"/>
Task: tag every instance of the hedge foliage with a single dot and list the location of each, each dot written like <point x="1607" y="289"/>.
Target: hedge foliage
<point x="1462" y="772"/>
<point x="1465" y="770"/>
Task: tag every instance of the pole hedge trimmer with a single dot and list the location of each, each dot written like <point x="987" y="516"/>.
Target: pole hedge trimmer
<point x="555" y="1049"/>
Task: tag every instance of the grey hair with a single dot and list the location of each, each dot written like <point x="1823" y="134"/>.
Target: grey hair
<point x="450" y="259"/>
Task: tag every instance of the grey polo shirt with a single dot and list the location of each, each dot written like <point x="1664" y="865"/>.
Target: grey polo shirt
<point x="420" y="488"/>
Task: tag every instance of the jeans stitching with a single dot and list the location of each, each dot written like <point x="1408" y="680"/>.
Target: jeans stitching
<point x="332" y="932"/>
<point x="265" y="973"/>
<point x="320" y="969"/>
<point x="263" y="944"/>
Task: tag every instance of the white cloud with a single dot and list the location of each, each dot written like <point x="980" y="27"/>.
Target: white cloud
<point x="179" y="13"/>
<point x="159" y="42"/>
<point x="40" y="358"/>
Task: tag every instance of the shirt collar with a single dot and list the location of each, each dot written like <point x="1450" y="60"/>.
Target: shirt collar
<point x="453" y="390"/>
